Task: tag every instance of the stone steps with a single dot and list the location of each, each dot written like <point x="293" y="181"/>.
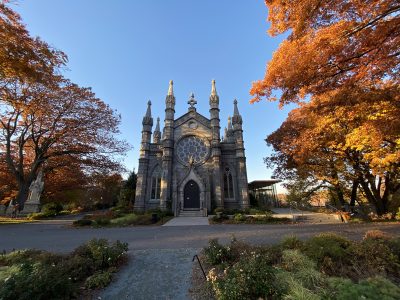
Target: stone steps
<point x="191" y="213"/>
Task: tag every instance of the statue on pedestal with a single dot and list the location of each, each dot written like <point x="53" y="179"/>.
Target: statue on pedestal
<point x="35" y="191"/>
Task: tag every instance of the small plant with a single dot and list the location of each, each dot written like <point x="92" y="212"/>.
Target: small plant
<point x="372" y="288"/>
<point x="102" y="253"/>
<point x="250" y="278"/>
<point x="291" y="242"/>
<point x="326" y="245"/>
<point x="52" y="209"/>
<point x="218" y="210"/>
<point x="98" y="280"/>
<point x="34" y="274"/>
<point x="376" y="234"/>
<point x="216" y="253"/>
<point x="83" y="222"/>
<point x="397" y="216"/>
<point x="102" y="221"/>
<point x="239" y="217"/>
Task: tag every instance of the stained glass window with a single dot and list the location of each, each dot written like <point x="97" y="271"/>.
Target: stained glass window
<point x="192" y="148"/>
<point x="228" y="184"/>
<point x="156" y="184"/>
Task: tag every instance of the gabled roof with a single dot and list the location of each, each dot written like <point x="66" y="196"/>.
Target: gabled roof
<point x="192" y="115"/>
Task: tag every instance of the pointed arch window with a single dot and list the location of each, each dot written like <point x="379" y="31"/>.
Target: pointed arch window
<point x="156" y="184"/>
<point x="228" y="184"/>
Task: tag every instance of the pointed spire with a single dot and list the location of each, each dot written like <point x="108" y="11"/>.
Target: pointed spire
<point x="230" y="123"/>
<point x="158" y="125"/>
<point x="148" y="120"/>
<point x="214" y="98"/>
<point x="237" y="118"/>
<point x="235" y="108"/>
<point x="213" y="89"/>
<point x="171" y="88"/>
<point x="157" y="133"/>
<point x="148" y="111"/>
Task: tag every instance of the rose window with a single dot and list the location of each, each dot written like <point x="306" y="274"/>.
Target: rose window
<point x="192" y="149"/>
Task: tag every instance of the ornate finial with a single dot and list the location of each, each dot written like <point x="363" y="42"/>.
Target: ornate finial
<point x="147" y="119"/>
<point x="157" y="133"/>
<point x="213" y="89"/>
<point x="171" y="88"/>
<point x="192" y="102"/>
<point x="237" y="118"/>
<point x="148" y="111"/>
<point x="235" y="108"/>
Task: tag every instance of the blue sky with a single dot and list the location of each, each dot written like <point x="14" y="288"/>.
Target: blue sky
<point x="128" y="50"/>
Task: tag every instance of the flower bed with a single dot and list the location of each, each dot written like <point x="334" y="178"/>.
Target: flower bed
<point x="326" y="266"/>
<point x="35" y="274"/>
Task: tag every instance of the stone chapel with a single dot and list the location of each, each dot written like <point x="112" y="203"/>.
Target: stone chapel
<point x="189" y="169"/>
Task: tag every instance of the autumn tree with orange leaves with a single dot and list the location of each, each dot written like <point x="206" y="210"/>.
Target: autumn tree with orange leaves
<point x="46" y="121"/>
<point x="340" y="63"/>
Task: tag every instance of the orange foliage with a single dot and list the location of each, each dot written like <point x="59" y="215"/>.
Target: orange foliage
<point x="46" y="121"/>
<point x="332" y="44"/>
<point x="345" y="136"/>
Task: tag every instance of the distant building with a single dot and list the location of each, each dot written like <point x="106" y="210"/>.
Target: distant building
<point x="264" y="191"/>
<point x="188" y="168"/>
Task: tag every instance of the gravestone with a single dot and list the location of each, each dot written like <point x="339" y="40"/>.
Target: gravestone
<point x="32" y="205"/>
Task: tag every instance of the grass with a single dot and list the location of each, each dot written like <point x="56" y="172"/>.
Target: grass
<point x="8" y="220"/>
<point x="244" y="219"/>
<point x="113" y="219"/>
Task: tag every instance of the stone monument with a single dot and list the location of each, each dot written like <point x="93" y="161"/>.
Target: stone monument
<point x="32" y="205"/>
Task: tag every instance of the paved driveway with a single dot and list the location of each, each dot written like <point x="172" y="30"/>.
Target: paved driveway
<point x="60" y="238"/>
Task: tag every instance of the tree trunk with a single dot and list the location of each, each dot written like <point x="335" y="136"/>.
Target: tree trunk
<point x="340" y="195"/>
<point x="354" y="194"/>
<point x="373" y="198"/>
<point x="22" y="195"/>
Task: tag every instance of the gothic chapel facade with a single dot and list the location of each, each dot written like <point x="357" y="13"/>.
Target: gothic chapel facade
<point x="189" y="169"/>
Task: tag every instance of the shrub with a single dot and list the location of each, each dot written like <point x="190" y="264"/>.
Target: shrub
<point x="129" y="219"/>
<point x="34" y="274"/>
<point x="394" y="245"/>
<point x="291" y="242"/>
<point x="373" y="257"/>
<point x="102" y="221"/>
<point x="326" y="245"/>
<point x="82" y="222"/>
<point x="397" y="216"/>
<point x="38" y="281"/>
<point x="218" y="210"/>
<point x="250" y="278"/>
<point x="239" y="217"/>
<point x="98" y="280"/>
<point x="78" y="267"/>
<point x="376" y="235"/>
<point x="144" y="220"/>
<point x="102" y="253"/>
<point x="52" y="209"/>
<point x="377" y="288"/>
<point x="216" y="253"/>
<point x="302" y="269"/>
<point x="29" y="256"/>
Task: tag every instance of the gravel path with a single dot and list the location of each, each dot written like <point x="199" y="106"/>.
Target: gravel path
<point x="154" y="274"/>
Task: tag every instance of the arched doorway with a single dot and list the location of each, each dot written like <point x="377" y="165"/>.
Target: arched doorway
<point x="191" y="195"/>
